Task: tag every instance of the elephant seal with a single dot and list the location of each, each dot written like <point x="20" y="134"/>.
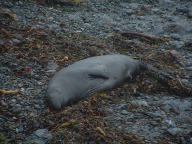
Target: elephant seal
<point x="88" y="76"/>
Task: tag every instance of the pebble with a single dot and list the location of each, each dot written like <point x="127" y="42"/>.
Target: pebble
<point x="52" y="66"/>
<point x="189" y="68"/>
<point x="177" y="44"/>
<point x="189" y="14"/>
<point x="170" y="123"/>
<point x="175" y="36"/>
<point x="182" y="9"/>
<point x="124" y="112"/>
<point x="123" y="107"/>
<point x="3" y="103"/>
<point x="37" y="106"/>
<point x="175" y="131"/>
<point x="156" y="114"/>
<point x="40" y="136"/>
<point x="18" y="106"/>
<point x="19" y="129"/>
<point x="140" y="103"/>
<point x="13" y="100"/>
<point x="43" y="133"/>
<point x="16" y="41"/>
<point x="40" y="83"/>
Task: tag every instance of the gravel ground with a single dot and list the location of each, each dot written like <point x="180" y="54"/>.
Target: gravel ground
<point x="82" y="31"/>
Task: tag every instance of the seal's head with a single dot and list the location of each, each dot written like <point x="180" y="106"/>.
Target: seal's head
<point x="139" y="67"/>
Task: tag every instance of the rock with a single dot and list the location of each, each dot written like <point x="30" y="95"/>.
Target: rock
<point x="155" y="10"/>
<point x="52" y="67"/>
<point x="18" y="106"/>
<point x="170" y="123"/>
<point x="43" y="133"/>
<point x="177" y="105"/>
<point x="68" y="2"/>
<point x="124" y="112"/>
<point x="13" y="100"/>
<point x="123" y="107"/>
<point x="139" y="103"/>
<point x="130" y="12"/>
<point x="181" y="9"/>
<point x="176" y="57"/>
<point x="189" y="68"/>
<point x="189" y="14"/>
<point x="156" y="114"/>
<point x="3" y="103"/>
<point x="177" y="44"/>
<point x="36" y="141"/>
<point x="16" y="41"/>
<point x="37" y="106"/>
<point x="174" y="28"/>
<point x="175" y="36"/>
<point x="19" y="129"/>
<point x="40" y="136"/>
<point x="176" y="131"/>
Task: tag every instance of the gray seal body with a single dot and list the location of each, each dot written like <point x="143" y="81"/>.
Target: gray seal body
<point x="88" y="76"/>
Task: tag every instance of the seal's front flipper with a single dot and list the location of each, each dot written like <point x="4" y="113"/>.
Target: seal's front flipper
<point x="98" y="72"/>
<point x="98" y="76"/>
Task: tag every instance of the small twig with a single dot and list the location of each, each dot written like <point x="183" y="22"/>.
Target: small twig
<point x="8" y="92"/>
<point x="135" y="34"/>
<point x="11" y="27"/>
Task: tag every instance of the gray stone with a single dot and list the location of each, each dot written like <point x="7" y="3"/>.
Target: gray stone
<point x="177" y="44"/>
<point x="37" y="106"/>
<point x="124" y="112"/>
<point x="189" y="14"/>
<point x="19" y="129"/>
<point x="13" y="100"/>
<point x="52" y="67"/>
<point x="189" y="68"/>
<point x="154" y="114"/>
<point x="174" y="28"/>
<point x="18" y="106"/>
<point x="181" y="9"/>
<point x="170" y="123"/>
<point x="123" y="107"/>
<point x="175" y="36"/>
<point x="36" y="141"/>
<point x="16" y="41"/>
<point x="175" y="131"/>
<point x="43" y="133"/>
<point x="139" y="103"/>
<point x="178" y="105"/>
<point x="40" y="136"/>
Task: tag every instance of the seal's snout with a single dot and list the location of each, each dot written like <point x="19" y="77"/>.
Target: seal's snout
<point x="53" y="98"/>
<point x="54" y="104"/>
